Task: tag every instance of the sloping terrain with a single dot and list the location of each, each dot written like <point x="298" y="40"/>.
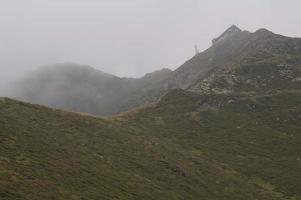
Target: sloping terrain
<point x="84" y="89"/>
<point x="185" y="147"/>
<point x="268" y="63"/>
<point x="236" y="59"/>
<point x="232" y="131"/>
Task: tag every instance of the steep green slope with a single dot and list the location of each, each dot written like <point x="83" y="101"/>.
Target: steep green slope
<point x="258" y="137"/>
<point x="185" y="147"/>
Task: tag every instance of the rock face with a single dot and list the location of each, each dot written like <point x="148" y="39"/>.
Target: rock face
<point x="256" y="62"/>
<point x="225" y="48"/>
<point x="233" y="30"/>
<point x="238" y="61"/>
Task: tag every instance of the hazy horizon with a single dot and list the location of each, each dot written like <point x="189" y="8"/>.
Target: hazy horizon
<point x="127" y="38"/>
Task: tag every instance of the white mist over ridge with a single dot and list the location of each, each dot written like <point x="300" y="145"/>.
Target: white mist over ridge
<point x="126" y="38"/>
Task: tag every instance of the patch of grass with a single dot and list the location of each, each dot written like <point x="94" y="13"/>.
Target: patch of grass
<point x="185" y="147"/>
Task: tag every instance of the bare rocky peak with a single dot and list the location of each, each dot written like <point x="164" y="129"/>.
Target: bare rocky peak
<point x="229" y="50"/>
<point x="233" y="30"/>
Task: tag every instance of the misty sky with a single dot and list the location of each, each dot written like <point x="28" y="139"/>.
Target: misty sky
<point x="127" y="37"/>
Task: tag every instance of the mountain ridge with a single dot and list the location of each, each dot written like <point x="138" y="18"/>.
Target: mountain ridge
<point x="231" y="49"/>
<point x="225" y="125"/>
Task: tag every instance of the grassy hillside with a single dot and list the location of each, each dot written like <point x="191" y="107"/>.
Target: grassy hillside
<point x="185" y="147"/>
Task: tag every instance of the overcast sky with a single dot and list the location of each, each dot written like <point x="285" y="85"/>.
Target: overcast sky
<point x="127" y="37"/>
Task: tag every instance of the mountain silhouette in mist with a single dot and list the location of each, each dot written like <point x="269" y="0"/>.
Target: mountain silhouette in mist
<point x="84" y="89"/>
<point x="224" y="125"/>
